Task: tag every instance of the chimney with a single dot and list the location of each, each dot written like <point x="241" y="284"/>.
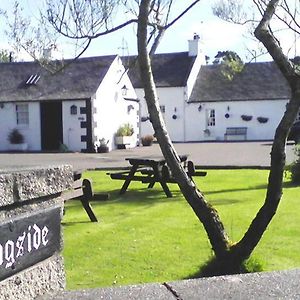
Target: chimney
<point x="194" y="45"/>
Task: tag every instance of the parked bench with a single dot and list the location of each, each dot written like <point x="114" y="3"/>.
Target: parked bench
<point x="82" y="189"/>
<point x="235" y="133"/>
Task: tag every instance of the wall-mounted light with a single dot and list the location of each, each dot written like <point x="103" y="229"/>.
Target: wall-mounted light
<point x="200" y="107"/>
<point x="124" y="90"/>
<point x="129" y="108"/>
<point x="73" y="110"/>
<point x="228" y="108"/>
<point x="175" y="109"/>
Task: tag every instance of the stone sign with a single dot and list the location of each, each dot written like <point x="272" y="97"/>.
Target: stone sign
<point x="26" y="240"/>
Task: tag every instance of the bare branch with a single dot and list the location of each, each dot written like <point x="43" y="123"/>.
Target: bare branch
<point x="181" y="14"/>
<point x="264" y="34"/>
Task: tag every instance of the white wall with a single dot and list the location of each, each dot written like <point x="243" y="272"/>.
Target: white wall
<point x="196" y="120"/>
<point x="110" y="108"/>
<point x="72" y="130"/>
<point x="31" y="131"/>
<point x="172" y="99"/>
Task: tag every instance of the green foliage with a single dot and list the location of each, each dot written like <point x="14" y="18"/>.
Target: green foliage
<point x="231" y="67"/>
<point x="295" y="166"/>
<point x="143" y="236"/>
<point x="5" y="56"/>
<point x="125" y="130"/>
<point x="231" y="63"/>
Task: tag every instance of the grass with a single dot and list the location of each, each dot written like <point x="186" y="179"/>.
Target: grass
<point x="143" y="236"/>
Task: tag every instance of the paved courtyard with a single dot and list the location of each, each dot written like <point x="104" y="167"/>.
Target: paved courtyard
<point x="203" y="154"/>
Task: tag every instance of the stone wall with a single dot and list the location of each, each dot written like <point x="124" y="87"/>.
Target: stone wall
<point x="30" y="232"/>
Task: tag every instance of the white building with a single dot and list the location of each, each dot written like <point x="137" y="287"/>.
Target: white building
<point x="76" y="107"/>
<point x="175" y="75"/>
<point x="199" y="103"/>
<point x="255" y="99"/>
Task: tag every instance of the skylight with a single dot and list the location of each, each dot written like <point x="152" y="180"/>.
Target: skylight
<point x="33" y="79"/>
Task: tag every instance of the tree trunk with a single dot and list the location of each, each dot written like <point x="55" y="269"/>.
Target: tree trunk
<point x="243" y="249"/>
<point x="206" y="214"/>
<point x="228" y="257"/>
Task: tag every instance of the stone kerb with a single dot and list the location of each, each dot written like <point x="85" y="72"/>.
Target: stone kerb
<point x="30" y="231"/>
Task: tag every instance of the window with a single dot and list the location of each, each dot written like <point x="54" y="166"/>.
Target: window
<point x="211" y="117"/>
<point x="22" y="114"/>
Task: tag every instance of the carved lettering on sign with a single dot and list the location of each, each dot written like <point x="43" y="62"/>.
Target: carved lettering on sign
<point x="33" y="238"/>
<point x="25" y="241"/>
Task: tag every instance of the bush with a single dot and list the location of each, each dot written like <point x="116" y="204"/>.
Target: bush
<point x="147" y="140"/>
<point x="295" y="166"/>
<point x="15" y="137"/>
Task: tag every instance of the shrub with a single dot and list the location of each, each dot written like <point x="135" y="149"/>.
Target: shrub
<point x="147" y="140"/>
<point x="16" y="137"/>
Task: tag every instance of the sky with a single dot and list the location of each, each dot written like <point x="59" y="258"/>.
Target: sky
<point x="216" y="35"/>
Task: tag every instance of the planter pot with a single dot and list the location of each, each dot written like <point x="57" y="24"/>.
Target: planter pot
<point x="262" y="119"/>
<point x="147" y="143"/>
<point x="123" y="140"/>
<point x="18" y="147"/>
<point x="102" y="149"/>
<point x="246" y="117"/>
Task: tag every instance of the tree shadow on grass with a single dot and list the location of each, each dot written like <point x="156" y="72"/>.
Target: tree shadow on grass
<point x="215" y="267"/>
<point x="135" y="197"/>
<point x="142" y="196"/>
<point x="71" y="223"/>
<point x="290" y="184"/>
<point x="252" y="188"/>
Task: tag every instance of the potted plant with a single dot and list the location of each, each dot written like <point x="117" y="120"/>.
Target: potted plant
<point x="17" y="141"/>
<point x="147" y="140"/>
<point x="124" y="134"/>
<point x="103" y="148"/>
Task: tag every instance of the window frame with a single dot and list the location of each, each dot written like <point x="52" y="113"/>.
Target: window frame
<point x="211" y="117"/>
<point x="22" y="114"/>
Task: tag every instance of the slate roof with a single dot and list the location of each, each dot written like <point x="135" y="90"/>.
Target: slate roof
<point x="169" y="69"/>
<point x="258" y="81"/>
<point x="79" y="80"/>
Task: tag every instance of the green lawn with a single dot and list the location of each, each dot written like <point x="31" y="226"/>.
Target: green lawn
<point x="143" y="236"/>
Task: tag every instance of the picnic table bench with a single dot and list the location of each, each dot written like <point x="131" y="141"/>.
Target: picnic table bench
<point x="82" y="190"/>
<point x="152" y="170"/>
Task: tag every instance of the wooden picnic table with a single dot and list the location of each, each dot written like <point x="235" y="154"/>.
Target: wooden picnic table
<point x="149" y="170"/>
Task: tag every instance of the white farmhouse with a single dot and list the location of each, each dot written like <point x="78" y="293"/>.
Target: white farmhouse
<point x="200" y="104"/>
<point x="175" y="75"/>
<point x="77" y="106"/>
<point x="251" y="104"/>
